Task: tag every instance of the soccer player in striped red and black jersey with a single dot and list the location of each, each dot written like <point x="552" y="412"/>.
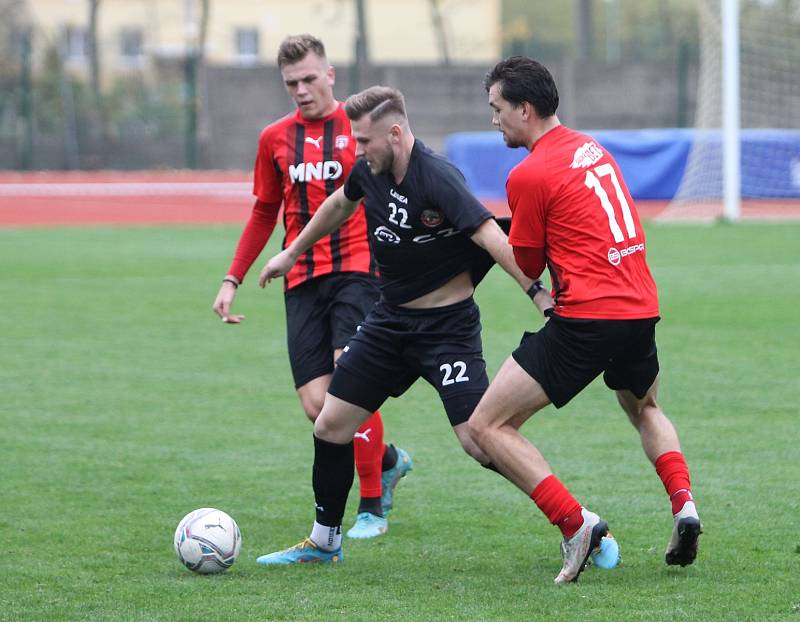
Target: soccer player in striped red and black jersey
<point x="302" y="159"/>
<point x="571" y="211"/>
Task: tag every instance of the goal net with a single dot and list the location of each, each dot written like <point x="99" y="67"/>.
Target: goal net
<point x="769" y="114"/>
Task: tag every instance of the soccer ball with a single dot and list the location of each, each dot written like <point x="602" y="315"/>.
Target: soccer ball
<point x="207" y="541"/>
<point x="606" y="556"/>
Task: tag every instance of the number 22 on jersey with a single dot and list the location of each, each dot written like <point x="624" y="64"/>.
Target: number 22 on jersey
<point x="592" y="181"/>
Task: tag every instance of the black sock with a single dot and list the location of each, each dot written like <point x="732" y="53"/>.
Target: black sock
<point x="332" y="478"/>
<point x="389" y="458"/>
<point x="371" y="505"/>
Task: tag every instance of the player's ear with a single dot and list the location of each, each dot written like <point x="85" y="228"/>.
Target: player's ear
<point x="527" y="111"/>
<point x="331" y="75"/>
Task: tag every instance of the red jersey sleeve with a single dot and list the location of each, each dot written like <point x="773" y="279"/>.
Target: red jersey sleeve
<point x="530" y="259"/>
<point x="527" y="198"/>
<point x="254" y="237"/>
<point x="267" y="181"/>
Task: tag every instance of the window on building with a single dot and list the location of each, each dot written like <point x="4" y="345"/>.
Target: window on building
<point x="131" y="45"/>
<point x="76" y="43"/>
<point x="247" y="45"/>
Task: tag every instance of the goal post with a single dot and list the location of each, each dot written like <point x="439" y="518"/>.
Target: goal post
<point x="744" y="159"/>
<point x="731" y="119"/>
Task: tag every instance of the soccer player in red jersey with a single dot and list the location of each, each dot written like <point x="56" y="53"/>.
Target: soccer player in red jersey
<point x="302" y="159"/>
<point x="572" y="212"/>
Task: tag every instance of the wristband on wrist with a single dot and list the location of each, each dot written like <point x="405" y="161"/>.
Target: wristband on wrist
<point x="233" y="282"/>
<point x="535" y="289"/>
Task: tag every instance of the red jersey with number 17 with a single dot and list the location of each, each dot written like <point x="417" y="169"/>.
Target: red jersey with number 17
<point x="301" y="162"/>
<point x="568" y="197"/>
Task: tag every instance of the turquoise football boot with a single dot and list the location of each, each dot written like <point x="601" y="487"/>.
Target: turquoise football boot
<point x="306" y="552"/>
<point x="368" y="526"/>
<point x="390" y="478"/>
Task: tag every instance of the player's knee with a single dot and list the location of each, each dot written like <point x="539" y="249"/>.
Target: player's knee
<point x="471" y="447"/>
<point x="650" y="411"/>
<point x="311" y="413"/>
<point x="477" y="430"/>
<point x="312" y="407"/>
<point x="323" y="429"/>
<point x="475" y="452"/>
<point x="641" y="411"/>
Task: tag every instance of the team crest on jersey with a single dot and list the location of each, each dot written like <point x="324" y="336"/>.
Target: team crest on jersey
<point x="341" y="141"/>
<point x="586" y="155"/>
<point x="431" y="218"/>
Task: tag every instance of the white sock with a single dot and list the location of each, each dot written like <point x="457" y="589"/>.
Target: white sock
<point x="326" y="538"/>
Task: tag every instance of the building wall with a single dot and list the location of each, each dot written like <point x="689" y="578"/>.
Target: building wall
<point x="398" y="32"/>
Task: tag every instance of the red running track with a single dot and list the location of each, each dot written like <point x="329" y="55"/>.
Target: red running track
<point x="75" y="199"/>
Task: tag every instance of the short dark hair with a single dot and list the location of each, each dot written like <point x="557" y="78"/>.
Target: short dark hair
<point x="377" y="101"/>
<point x="523" y="79"/>
<point x="294" y="48"/>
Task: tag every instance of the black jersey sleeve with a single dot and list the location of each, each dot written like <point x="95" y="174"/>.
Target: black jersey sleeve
<point x="353" y="186"/>
<point x="450" y="193"/>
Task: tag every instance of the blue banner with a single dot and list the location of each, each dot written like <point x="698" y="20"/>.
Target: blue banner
<point x="652" y="161"/>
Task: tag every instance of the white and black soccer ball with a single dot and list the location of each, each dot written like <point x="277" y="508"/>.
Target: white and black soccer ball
<point x="207" y="541"/>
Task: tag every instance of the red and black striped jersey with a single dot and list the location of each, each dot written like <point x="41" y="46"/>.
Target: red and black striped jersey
<point x="300" y="162"/>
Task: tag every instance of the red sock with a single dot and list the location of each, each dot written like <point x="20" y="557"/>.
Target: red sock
<point x="672" y="469"/>
<point x="368" y="446"/>
<point x="560" y="507"/>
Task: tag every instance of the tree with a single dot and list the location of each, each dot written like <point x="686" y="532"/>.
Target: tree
<point x="195" y="57"/>
<point x="439" y="31"/>
<point x="93" y="50"/>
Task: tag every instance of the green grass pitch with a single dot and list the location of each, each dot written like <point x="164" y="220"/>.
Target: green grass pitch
<point x="126" y="404"/>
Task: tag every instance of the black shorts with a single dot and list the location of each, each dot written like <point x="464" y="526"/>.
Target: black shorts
<point x="321" y="316"/>
<point x="395" y="346"/>
<point x="567" y="354"/>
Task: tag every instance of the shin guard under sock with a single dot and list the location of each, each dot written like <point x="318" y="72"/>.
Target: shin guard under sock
<point x="332" y="478"/>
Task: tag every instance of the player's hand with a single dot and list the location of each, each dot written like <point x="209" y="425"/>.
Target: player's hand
<point x="279" y="265"/>
<point x="222" y="304"/>
<point x="545" y="303"/>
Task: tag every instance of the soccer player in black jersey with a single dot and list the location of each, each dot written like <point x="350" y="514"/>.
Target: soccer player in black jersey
<point x="433" y="242"/>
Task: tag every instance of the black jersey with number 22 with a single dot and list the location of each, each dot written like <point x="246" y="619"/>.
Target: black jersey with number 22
<point x="419" y="229"/>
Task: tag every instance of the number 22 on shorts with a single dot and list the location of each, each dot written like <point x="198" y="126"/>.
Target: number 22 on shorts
<point x="457" y="372"/>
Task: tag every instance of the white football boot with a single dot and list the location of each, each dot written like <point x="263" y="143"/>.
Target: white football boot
<point x="576" y="550"/>
<point x="682" y="547"/>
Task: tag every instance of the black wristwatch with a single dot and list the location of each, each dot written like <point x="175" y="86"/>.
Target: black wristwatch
<point x="535" y="289"/>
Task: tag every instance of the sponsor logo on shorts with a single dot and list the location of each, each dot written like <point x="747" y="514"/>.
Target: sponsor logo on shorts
<point x="615" y="256"/>
<point x="431" y="217"/>
<point x="384" y="234"/>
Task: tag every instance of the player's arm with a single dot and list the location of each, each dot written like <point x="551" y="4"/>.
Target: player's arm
<point x="328" y="218"/>
<point x="490" y="236"/>
<point x="254" y="238"/>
